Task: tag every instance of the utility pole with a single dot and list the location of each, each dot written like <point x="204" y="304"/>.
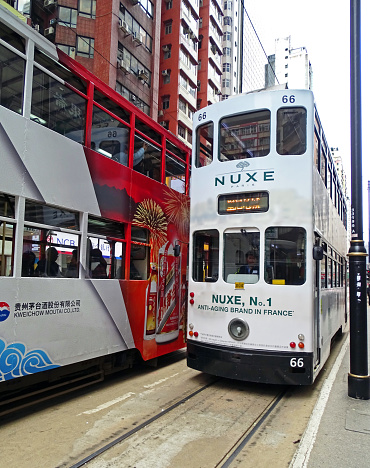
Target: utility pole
<point x="358" y="377"/>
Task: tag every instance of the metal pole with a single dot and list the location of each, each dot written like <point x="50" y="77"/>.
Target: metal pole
<point x="358" y="378"/>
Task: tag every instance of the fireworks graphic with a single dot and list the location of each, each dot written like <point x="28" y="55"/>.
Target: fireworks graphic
<point x="150" y="215"/>
<point x="177" y="207"/>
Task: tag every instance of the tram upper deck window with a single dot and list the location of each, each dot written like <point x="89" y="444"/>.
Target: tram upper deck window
<point x="205" y="256"/>
<point x="291" y="131"/>
<point x="285" y="255"/>
<point x="12" y="38"/>
<point x="12" y="80"/>
<point x="204" y="145"/>
<point x="241" y="256"/>
<point x="56" y="106"/>
<point x="245" y="136"/>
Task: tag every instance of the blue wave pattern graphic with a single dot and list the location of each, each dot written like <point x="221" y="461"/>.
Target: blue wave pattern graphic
<point x="15" y="361"/>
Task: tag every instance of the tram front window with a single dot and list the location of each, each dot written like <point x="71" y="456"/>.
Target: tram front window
<point x="241" y="256"/>
<point x="285" y="255"/>
<point x="205" y="256"/>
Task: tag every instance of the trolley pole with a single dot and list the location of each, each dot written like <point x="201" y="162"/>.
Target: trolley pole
<point x="358" y="378"/>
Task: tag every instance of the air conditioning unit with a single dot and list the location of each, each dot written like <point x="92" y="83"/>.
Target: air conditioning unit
<point x="124" y="66"/>
<point x="163" y="123"/>
<point x="48" y="31"/>
<point x="134" y="2"/>
<point x="143" y="75"/>
<point x="137" y="37"/>
<point x="192" y="35"/>
<point x="37" y="27"/>
<point x="123" y="26"/>
<point x="160" y="113"/>
<point x="49" y="3"/>
<point x="133" y="98"/>
<point x="165" y="72"/>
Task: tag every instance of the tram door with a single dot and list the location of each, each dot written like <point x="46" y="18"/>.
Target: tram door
<point x="318" y="257"/>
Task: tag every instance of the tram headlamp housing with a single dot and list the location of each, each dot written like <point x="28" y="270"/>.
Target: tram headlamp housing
<point x="238" y="329"/>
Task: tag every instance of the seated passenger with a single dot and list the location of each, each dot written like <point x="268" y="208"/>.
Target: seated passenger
<point x="48" y="266"/>
<point x="98" y="265"/>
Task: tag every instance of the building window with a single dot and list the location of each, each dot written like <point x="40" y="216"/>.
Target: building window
<point x="166" y="102"/>
<point x="169" y="5"/>
<point x="69" y="50"/>
<point x="228" y="21"/>
<point x="181" y="131"/>
<point x="67" y="17"/>
<point x="182" y="105"/>
<point x="87" y="8"/>
<point x="166" y="79"/>
<point x="226" y="67"/>
<point x="227" y="51"/>
<point x="85" y="46"/>
<point x="227" y="36"/>
<point x="168" y="28"/>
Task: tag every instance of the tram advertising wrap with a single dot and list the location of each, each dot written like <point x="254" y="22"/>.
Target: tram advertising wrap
<point x="94" y="234"/>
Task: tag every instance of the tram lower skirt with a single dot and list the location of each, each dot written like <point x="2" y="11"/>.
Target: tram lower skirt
<point x="270" y="367"/>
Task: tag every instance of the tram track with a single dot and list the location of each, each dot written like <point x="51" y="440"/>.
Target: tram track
<point x="228" y="458"/>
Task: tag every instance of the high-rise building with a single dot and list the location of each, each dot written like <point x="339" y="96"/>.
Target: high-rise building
<point x="288" y="66"/>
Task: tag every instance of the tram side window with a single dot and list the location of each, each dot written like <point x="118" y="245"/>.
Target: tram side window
<point x="206" y="256"/>
<point x="140" y="254"/>
<point x="323" y="270"/>
<point x="147" y="158"/>
<point x="204" y="145"/>
<point x="7" y="234"/>
<point x="49" y="251"/>
<point x="7" y="239"/>
<point x="241" y="256"/>
<point x="245" y="136"/>
<point x="285" y="255"/>
<point x="109" y="136"/>
<point x="291" y="131"/>
<point x="106" y="249"/>
<point x="12" y="69"/>
<point x="175" y="174"/>
<point x="56" y="106"/>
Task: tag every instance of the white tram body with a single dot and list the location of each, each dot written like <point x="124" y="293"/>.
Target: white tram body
<point x="263" y="183"/>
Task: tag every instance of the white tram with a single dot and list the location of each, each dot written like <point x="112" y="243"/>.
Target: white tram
<point x="268" y="241"/>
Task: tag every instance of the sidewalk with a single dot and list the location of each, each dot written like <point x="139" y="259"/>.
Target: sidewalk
<point x="338" y="433"/>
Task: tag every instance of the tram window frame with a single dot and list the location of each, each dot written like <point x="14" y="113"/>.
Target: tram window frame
<point x="108" y="236"/>
<point x="288" y="246"/>
<point x="57" y="106"/>
<point x="240" y="134"/>
<point x="11" y="96"/>
<point x="140" y="254"/>
<point x="240" y="245"/>
<point x="299" y="139"/>
<point x="7" y="234"/>
<point x="204" y="144"/>
<point x="206" y="248"/>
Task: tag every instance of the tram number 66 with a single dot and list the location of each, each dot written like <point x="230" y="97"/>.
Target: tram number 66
<point x="290" y="99"/>
<point x="294" y="362"/>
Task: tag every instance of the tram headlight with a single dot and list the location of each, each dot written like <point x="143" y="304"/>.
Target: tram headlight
<point x="301" y="337"/>
<point x="238" y="329"/>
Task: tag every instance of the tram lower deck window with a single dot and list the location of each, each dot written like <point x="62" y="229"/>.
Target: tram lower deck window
<point x="285" y="255"/>
<point x="205" y="255"/>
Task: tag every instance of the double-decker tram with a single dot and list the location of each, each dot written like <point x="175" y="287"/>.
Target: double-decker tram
<point x="93" y="219"/>
<point x="268" y="241"/>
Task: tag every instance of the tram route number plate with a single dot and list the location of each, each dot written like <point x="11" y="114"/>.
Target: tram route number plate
<point x="296" y="362"/>
<point x="239" y="285"/>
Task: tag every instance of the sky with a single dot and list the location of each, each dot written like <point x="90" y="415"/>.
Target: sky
<point x="323" y="27"/>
